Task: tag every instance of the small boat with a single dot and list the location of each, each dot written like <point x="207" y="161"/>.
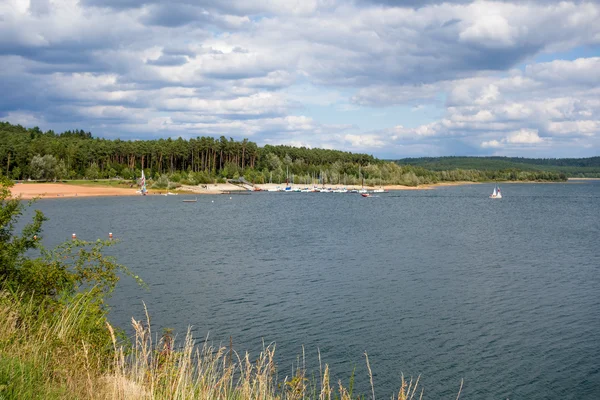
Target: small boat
<point x="143" y="191"/>
<point x="496" y="193"/>
<point x="190" y="200"/>
<point x="365" y="194"/>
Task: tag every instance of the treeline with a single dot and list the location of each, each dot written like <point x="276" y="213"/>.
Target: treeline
<point x="79" y="155"/>
<point x="571" y="167"/>
<point x="34" y="154"/>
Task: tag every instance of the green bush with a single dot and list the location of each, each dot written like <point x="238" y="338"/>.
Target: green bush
<point x="161" y="183"/>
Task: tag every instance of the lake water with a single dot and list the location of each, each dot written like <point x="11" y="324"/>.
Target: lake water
<point x="446" y="283"/>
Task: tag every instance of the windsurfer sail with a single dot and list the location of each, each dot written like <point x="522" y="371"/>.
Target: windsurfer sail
<point x="143" y="191"/>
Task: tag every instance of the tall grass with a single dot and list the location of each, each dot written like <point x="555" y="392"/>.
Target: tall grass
<point x="50" y="353"/>
<point x="43" y="349"/>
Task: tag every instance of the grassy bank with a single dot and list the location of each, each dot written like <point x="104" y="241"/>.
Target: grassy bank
<point x="52" y="353"/>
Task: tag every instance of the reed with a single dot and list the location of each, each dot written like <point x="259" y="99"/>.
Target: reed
<point x="45" y="352"/>
<point x="48" y="353"/>
<point x="153" y="369"/>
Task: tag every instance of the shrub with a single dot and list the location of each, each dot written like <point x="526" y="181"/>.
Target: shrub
<point x="161" y="183"/>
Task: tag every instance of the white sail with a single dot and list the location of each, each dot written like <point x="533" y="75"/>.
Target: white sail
<point x="143" y="183"/>
<point x="496" y="193"/>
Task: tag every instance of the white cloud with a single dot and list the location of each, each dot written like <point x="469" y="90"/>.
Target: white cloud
<point x="526" y="137"/>
<point x="364" y="141"/>
<point x="490" y="31"/>
<point x="491" y="144"/>
<point x="275" y="70"/>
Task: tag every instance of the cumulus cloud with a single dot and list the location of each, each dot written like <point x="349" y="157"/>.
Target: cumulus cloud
<point x="521" y="137"/>
<point x="152" y="67"/>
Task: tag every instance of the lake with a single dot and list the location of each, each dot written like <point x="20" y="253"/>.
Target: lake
<point x="446" y="283"/>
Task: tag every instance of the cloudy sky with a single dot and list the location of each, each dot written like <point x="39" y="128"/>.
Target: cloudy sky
<point x="390" y="78"/>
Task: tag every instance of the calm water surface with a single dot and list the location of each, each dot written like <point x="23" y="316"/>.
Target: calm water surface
<point x="444" y="283"/>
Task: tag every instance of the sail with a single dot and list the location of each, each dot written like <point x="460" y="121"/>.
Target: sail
<point x="495" y="192"/>
<point x="143" y="183"/>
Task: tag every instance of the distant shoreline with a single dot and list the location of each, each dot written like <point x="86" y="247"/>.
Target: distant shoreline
<point x="49" y="190"/>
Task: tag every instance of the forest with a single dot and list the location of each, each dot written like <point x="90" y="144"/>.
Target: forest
<point x="571" y="167"/>
<point x="30" y="153"/>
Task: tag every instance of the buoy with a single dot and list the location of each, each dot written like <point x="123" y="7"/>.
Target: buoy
<point x="230" y="198"/>
<point x="110" y="235"/>
<point x="74" y="236"/>
<point x="212" y="201"/>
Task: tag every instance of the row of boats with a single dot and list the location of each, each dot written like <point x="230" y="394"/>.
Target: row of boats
<point x="316" y="189"/>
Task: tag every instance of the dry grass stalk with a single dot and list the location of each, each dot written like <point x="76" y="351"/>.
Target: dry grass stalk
<point x="152" y="368"/>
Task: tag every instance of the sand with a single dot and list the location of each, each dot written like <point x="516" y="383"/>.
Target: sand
<point x="60" y="190"/>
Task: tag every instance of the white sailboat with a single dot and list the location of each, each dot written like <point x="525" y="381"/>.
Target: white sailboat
<point x="496" y="194"/>
<point x="143" y="190"/>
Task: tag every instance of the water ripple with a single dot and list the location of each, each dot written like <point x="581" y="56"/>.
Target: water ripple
<point x="442" y="283"/>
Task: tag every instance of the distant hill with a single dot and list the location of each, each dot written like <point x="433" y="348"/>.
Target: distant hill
<point x="572" y="167"/>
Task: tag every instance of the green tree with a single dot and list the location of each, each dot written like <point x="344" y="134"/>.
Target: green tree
<point x="12" y="245"/>
<point x="16" y="173"/>
<point x="92" y="172"/>
<point x="162" y="182"/>
<point x="70" y="268"/>
<point x="43" y="167"/>
<point x="273" y="162"/>
<point x="60" y="170"/>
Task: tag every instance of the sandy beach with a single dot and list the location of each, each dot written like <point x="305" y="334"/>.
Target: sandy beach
<point x="62" y="190"/>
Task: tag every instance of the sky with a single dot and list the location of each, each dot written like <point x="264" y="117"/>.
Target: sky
<point x="390" y="78"/>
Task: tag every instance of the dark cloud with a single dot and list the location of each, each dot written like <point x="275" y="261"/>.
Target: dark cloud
<point x="233" y="7"/>
<point x="39" y="7"/>
<point x="425" y="3"/>
<point x="478" y="58"/>
<point x="168" y="60"/>
<point x="173" y="15"/>
<point x="178" y="51"/>
<point x="117" y="4"/>
<point x="408" y="3"/>
<point x="236" y="74"/>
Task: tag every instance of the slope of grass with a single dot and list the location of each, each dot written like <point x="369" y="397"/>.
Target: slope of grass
<point x="47" y="354"/>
